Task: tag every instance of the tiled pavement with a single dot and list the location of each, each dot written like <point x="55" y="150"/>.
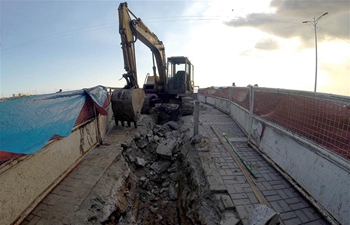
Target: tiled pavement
<point x="280" y="194"/>
<point x="71" y="200"/>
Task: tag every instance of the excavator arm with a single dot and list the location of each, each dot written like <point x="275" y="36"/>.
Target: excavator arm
<point x="130" y="30"/>
<point x="128" y="101"/>
<point x="128" y="47"/>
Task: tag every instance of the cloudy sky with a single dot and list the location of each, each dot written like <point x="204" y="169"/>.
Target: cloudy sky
<point x="69" y="45"/>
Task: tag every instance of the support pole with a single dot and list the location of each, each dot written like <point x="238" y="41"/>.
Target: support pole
<point x="251" y="110"/>
<point x="196" y="117"/>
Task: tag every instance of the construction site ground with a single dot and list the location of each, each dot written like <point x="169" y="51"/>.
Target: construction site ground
<point x="102" y="181"/>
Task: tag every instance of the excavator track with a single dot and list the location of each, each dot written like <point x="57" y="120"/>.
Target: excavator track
<point x="126" y="105"/>
<point x="147" y="105"/>
<point x="187" y="106"/>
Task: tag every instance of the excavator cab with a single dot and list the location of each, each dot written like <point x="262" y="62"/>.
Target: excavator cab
<point x="180" y="77"/>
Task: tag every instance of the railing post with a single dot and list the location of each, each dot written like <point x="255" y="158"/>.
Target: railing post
<point x="251" y="108"/>
<point x="97" y="125"/>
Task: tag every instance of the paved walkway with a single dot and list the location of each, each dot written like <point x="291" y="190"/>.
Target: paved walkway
<point x="90" y="190"/>
<point x="280" y="194"/>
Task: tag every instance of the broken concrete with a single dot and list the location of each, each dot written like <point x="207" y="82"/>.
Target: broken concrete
<point x="231" y="221"/>
<point x="173" y="125"/>
<point x="140" y="162"/>
<point x="160" y="166"/>
<point x="227" y="202"/>
<point x="166" y="148"/>
<point x="166" y="112"/>
<point x="170" y="176"/>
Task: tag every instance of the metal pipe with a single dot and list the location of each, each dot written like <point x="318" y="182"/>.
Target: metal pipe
<point x="240" y="157"/>
<point x="196" y="117"/>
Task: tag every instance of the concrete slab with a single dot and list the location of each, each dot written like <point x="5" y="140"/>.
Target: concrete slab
<point x="227" y="202"/>
<point x="231" y="221"/>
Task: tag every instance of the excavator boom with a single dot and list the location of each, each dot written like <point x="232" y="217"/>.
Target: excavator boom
<point x="127" y="102"/>
<point x="135" y="29"/>
<point x="127" y="42"/>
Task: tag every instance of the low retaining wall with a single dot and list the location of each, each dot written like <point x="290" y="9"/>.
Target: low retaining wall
<point x="25" y="181"/>
<point x="322" y="174"/>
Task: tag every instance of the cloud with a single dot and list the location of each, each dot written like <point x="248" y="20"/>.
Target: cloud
<point x="336" y="78"/>
<point x="286" y="21"/>
<point x="267" y="44"/>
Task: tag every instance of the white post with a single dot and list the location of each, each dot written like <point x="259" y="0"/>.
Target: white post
<point x="196" y="117"/>
<point x="251" y="108"/>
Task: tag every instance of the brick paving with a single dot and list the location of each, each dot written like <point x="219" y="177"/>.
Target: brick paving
<point x="71" y="200"/>
<point x="280" y="194"/>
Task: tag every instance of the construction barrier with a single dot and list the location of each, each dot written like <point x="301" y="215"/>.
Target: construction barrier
<point x="321" y="118"/>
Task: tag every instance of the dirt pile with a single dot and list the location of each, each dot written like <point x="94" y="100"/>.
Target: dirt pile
<point x="171" y="185"/>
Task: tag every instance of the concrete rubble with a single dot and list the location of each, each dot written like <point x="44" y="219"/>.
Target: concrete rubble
<point x="171" y="187"/>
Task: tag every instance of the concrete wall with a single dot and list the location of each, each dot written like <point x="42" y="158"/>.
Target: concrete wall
<point x="24" y="182"/>
<point x="323" y="178"/>
<point x="322" y="174"/>
<point x="241" y="116"/>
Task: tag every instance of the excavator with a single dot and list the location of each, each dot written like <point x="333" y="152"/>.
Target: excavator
<point x="173" y="84"/>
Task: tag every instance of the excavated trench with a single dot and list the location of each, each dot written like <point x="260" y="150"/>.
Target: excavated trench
<point x="167" y="184"/>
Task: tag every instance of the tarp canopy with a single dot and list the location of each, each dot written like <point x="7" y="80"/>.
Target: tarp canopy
<point x="27" y="124"/>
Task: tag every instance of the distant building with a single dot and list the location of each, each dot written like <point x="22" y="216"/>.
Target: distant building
<point x="20" y="95"/>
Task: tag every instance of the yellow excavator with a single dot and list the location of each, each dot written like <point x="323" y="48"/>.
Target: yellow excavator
<point x="173" y="83"/>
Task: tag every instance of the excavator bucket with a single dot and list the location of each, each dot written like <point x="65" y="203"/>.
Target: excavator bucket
<point x="127" y="105"/>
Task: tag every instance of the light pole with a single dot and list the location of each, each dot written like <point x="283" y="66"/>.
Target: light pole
<point x="314" y="23"/>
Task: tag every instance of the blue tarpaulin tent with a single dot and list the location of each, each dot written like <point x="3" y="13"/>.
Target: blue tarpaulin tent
<point x="27" y="124"/>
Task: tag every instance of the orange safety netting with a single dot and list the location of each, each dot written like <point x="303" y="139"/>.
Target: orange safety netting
<point x="318" y="119"/>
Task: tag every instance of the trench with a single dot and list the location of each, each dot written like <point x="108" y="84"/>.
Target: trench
<point x="169" y="180"/>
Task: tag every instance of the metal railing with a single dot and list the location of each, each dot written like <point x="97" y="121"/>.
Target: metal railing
<point x="321" y="118"/>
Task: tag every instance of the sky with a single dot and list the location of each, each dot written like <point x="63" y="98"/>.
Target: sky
<point x="70" y="45"/>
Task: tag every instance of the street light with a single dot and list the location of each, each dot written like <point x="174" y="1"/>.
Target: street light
<point x="314" y="23"/>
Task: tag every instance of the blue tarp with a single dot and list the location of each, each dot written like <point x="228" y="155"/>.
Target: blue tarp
<point x="27" y="124"/>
